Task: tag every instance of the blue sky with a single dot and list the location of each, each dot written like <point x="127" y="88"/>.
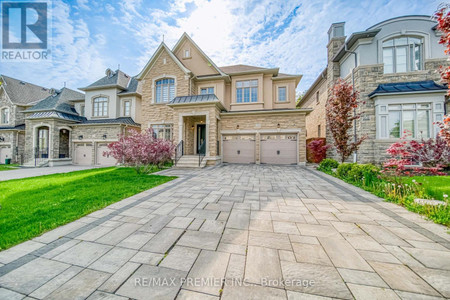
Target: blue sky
<point x="90" y="36"/>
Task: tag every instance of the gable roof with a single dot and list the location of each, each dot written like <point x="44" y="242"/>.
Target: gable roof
<point x="407" y="87"/>
<point x="21" y="92"/>
<point x="59" y="101"/>
<point x="241" y="69"/>
<point x="152" y="60"/>
<point x="185" y="36"/>
<point x="112" y="79"/>
<point x="134" y="87"/>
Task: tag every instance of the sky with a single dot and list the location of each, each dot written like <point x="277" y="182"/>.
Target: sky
<point x="90" y="36"/>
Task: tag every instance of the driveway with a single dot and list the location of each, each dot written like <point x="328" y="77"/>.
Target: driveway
<point x="33" y="172"/>
<point x="237" y="232"/>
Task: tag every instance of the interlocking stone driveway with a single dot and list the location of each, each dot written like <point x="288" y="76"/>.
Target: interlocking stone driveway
<point x="237" y="232"/>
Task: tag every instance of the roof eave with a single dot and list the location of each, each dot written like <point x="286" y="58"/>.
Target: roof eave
<point x="273" y="71"/>
<point x="352" y="40"/>
<point x="321" y="77"/>
<point x="213" y="77"/>
<point x="99" y="87"/>
<point x="197" y="103"/>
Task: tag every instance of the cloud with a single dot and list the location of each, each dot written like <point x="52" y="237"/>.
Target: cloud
<point x="83" y="4"/>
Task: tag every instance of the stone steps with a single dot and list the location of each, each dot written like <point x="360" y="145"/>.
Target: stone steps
<point x="190" y="161"/>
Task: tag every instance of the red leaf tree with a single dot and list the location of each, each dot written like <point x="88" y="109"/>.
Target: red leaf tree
<point x="141" y="150"/>
<point x="340" y="118"/>
<point x="443" y="18"/>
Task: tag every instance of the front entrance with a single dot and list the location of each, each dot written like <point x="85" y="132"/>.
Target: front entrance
<point x="64" y="140"/>
<point x="201" y="139"/>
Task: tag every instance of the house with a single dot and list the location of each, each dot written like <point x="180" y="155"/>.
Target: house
<point x="235" y="114"/>
<point x="393" y="65"/>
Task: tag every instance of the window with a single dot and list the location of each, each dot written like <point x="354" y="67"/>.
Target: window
<point x="317" y="97"/>
<point x="398" y="119"/>
<point x="206" y="90"/>
<point x="187" y="53"/>
<point x="282" y="94"/>
<point x="100" y="107"/>
<point x="165" y="90"/>
<point x="82" y="110"/>
<point x="319" y="132"/>
<point x="127" y="108"/>
<point x="162" y="131"/>
<point x="404" y="54"/>
<point x="5" y="115"/>
<point x="247" y="91"/>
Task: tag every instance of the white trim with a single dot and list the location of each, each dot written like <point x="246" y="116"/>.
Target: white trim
<point x="277" y="100"/>
<point x="408" y="33"/>
<point x="9" y="115"/>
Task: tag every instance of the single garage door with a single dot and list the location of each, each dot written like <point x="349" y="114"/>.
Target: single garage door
<point x="104" y="160"/>
<point x="83" y="154"/>
<point x="239" y="149"/>
<point x="279" y="149"/>
<point x="5" y="152"/>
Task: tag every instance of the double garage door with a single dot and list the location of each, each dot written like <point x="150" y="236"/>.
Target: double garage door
<point x="5" y="152"/>
<point x="84" y="151"/>
<point x="274" y="149"/>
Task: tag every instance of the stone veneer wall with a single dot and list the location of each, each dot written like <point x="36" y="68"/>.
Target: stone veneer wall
<point x="318" y="115"/>
<point x="265" y="121"/>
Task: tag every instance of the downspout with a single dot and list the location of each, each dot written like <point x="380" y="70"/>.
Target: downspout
<point x="355" y="154"/>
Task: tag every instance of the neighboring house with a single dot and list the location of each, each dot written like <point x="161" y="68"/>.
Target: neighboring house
<point x="15" y="97"/>
<point x="236" y="114"/>
<point x="397" y="78"/>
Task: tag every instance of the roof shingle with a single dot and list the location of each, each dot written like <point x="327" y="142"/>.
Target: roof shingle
<point x="60" y="101"/>
<point x="194" y="99"/>
<point x="21" y="92"/>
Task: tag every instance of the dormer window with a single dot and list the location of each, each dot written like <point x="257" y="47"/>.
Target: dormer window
<point x="100" y="107"/>
<point x="403" y="54"/>
<point x="5" y="115"/>
<point x="165" y="90"/>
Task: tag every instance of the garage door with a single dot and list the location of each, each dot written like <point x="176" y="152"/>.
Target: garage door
<point x="5" y="152"/>
<point x="104" y="160"/>
<point x="279" y="149"/>
<point x="83" y="154"/>
<point x="239" y="149"/>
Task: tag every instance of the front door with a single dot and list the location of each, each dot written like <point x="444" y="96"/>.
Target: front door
<point x="201" y="138"/>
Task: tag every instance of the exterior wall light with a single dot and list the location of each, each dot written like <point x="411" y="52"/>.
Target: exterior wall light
<point x="2" y="139"/>
<point x="237" y="126"/>
<point x="80" y="137"/>
<point x="104" y="137"/>
<point x="278" y="125"/>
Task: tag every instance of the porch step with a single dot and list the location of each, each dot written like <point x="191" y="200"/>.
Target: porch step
<point x="190" y="161"/>
<point x="32" y="164"/>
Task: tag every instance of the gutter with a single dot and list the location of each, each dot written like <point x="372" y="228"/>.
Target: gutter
<point x="407" y="93"/>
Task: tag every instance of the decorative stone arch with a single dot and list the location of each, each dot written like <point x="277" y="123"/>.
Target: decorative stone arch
<point x="65" y="142"/>
<point x="92" y="105"/>
<point x="154" y="80"/>
<point x="49" y="139"/>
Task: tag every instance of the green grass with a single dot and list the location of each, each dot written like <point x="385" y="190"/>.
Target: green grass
<point x="434" y="186"/>
<point x="8" y="167"/>
<point x="32" y="206"/>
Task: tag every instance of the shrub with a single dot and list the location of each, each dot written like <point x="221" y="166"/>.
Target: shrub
<point x="327" y="164"/>
<point x="366" y="174"/>
<point x="317" y="150"/>
<point x="142" y="150"/>
<point x="343" y="170"/>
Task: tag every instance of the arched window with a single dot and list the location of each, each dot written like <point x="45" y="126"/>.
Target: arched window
<point x="165" y="90"/>
<point x="5" y="115"/>
<point x="100" y="107"/>
<point x="403" y="54"/>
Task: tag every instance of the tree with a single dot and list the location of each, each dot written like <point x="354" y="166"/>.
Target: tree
<point x="340" y="118"/>
<point x="443" y="18"/>
<point x="141" y="150"/>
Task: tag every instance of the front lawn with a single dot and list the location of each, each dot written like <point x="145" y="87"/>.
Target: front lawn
<point x="434" y="186"/>
<point x="32" y="206"/>
<point x="8" y="167"/>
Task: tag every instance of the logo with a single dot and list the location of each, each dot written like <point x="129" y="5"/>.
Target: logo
<point x="25" y="31"/>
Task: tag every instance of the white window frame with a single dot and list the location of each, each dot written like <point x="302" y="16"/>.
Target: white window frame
<point x="125" y="114"/>
<point x="207" y="88"/>
<point x="5" y="115"/>
<point x="102" y="110"/>
<point x="285" y="93"/>
<point x="155" y="90"/>
<point x="393" y="48"/>
<point x="167" y="128"/>
<point x="242" y="86"/>
<point x="436" y="112"/>
<point x="82" y="110"/>
<point x="187" y="53"/>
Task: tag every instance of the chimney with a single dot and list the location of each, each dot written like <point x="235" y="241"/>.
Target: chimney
<point x="336" y="30"/>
